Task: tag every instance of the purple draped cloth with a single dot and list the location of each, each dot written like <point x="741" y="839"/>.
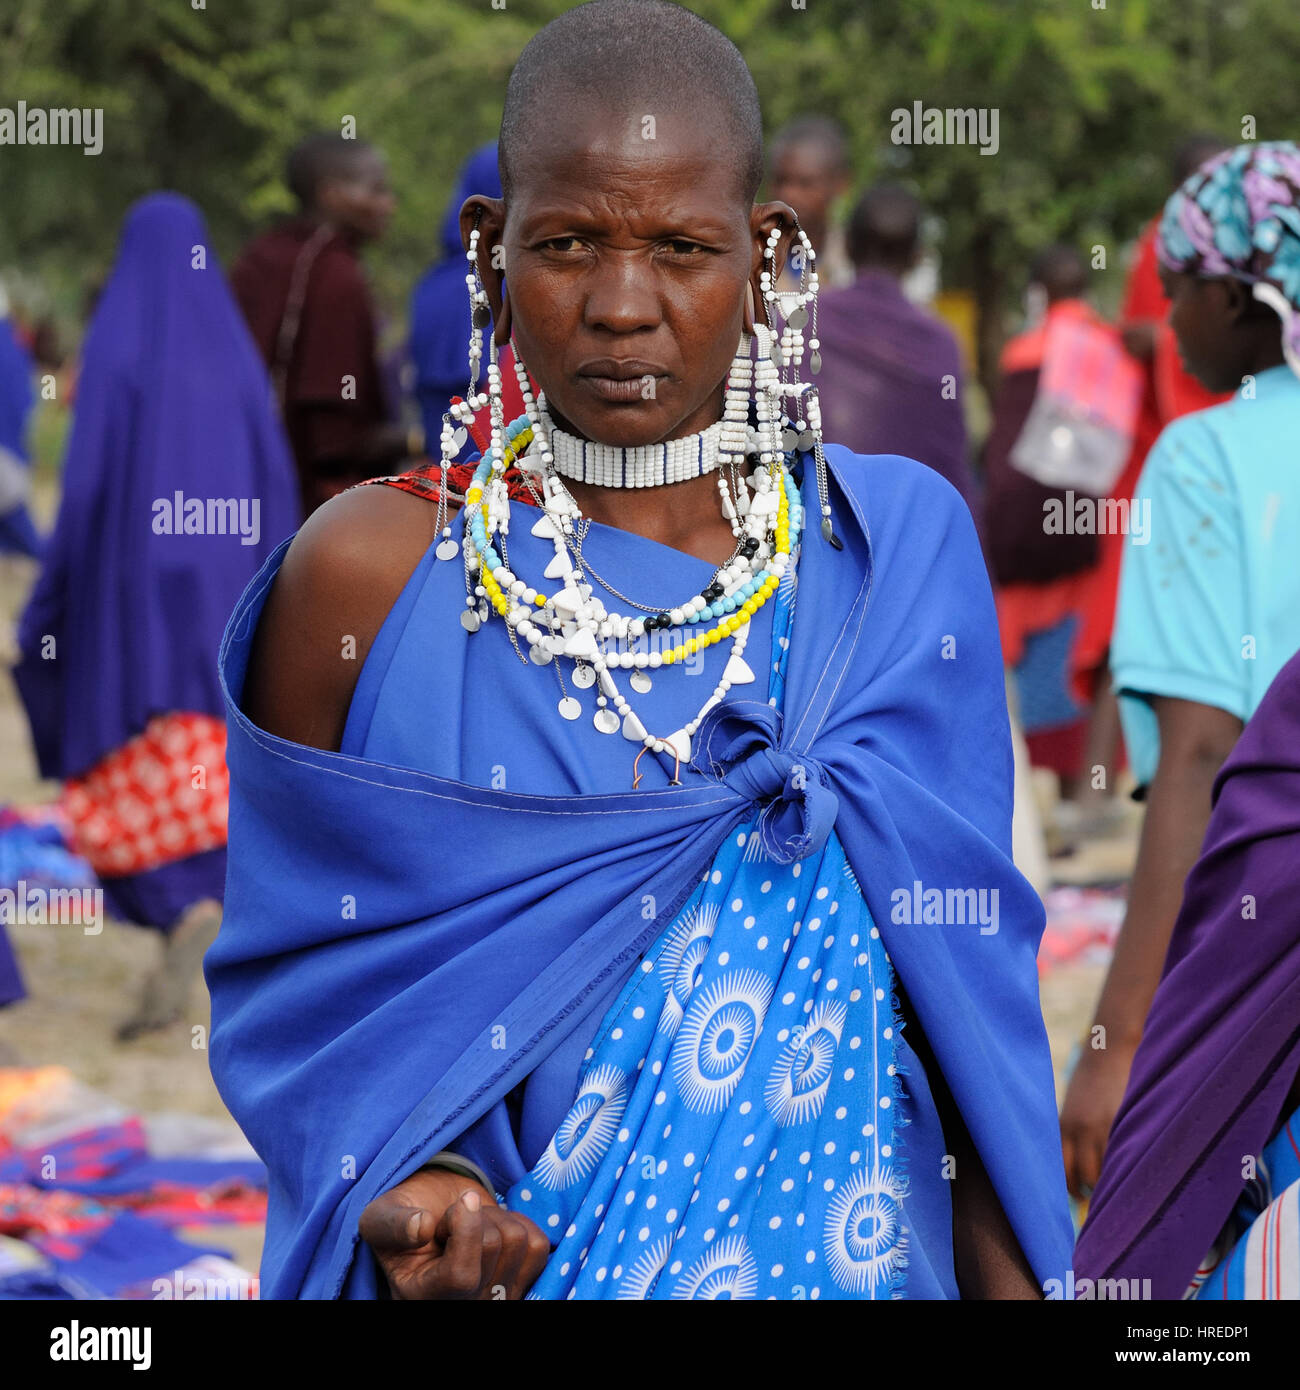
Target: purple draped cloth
<point x="882" y="387"/>
<point x="1221" y="1046"/>
<point x="126" y="619"/>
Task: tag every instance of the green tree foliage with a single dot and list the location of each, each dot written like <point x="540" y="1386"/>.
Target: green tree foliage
<point x="1091" y="99"/>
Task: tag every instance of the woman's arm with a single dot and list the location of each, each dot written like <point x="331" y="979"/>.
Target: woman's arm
<point x="987" y="1258"/>
<point x="1194" y="741"/>
<point x="341" y="577"/>
<point x="438" y="1234"/>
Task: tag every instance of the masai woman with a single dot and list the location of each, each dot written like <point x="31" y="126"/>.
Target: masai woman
<point x="601" y="922"/>
<point x="18" y="535"/>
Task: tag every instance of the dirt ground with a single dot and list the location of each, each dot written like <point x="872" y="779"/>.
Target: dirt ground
<point x="80" y="987"/>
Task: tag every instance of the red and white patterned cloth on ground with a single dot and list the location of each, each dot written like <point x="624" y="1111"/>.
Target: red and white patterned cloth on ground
<point x="160" y="797"/>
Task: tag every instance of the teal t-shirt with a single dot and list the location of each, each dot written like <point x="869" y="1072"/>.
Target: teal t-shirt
<point x="1209" y="598"/>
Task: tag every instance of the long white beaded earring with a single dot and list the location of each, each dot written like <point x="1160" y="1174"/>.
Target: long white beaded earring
<point x="797" y="310"/>
<point x="498" y="494"/>
<point x="453" y="436"/>
<point x="733" y="440"/>
<point x="767" y="401"/>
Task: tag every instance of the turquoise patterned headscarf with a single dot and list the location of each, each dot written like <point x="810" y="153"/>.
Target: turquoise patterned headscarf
<point x="1238" y="215"/>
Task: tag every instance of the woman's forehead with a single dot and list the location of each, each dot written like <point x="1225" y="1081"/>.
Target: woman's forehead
<point x="628" y="200"/>
<point x="628" y="155"/>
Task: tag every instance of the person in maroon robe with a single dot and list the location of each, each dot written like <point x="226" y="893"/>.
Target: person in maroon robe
<point x="891" y="383"/>
<point x="303" y="291"/>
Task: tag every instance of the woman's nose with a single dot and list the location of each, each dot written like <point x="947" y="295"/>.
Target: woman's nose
<point x="622" y="296"/>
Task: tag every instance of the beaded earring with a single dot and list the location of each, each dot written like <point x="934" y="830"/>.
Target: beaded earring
<point x="801" y="426"/>
<point x="453" y="435"/>
<point x="733" y="441"/>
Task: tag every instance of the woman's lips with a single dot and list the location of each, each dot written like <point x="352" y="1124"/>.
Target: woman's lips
<point x="622" y="390"/>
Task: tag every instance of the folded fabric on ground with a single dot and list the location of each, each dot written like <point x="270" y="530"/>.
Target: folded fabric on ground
<point x="1082" y="925"/>
<point x="93" y="1209"/>
<point x="33" y="854"/>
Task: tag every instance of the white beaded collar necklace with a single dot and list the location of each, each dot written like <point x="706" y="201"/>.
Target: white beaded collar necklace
<point x="647" y="465"/>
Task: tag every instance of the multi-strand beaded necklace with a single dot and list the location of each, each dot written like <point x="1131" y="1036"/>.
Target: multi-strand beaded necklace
<point x="766" y="517"/>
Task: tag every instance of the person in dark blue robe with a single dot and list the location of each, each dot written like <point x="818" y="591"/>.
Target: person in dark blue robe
<point x="440" y="317"/>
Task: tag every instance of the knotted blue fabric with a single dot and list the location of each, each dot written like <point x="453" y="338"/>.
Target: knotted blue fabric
<point x="739" y="746"/>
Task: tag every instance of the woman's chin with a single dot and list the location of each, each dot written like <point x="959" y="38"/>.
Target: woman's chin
<point x="625" y="424"/>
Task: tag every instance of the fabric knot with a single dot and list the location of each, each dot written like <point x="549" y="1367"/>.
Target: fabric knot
<point x="737" y="745"/>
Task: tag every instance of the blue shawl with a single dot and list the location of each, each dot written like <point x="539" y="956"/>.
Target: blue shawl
<point x="361" y="999"/>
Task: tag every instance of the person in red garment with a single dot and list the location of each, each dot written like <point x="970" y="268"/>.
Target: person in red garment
<point x="303" y="291"/>
<point x="1045" y="580"/>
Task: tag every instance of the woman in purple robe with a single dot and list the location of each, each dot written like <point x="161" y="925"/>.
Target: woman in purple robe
<point x="177" y="485"/>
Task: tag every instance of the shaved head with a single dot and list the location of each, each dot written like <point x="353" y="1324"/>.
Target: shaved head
<point x="320" y="157"/>
<point x="885" y="228"/>
<point x="817" y="133"/>
<point x="638" y="59"/>
<point x="1061" y="271"/>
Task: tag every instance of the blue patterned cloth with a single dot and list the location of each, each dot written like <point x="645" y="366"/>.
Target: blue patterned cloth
<point x="733" y="1131"/>
<point x="1262" y="1255"/>
<point x="733" y="1134"/>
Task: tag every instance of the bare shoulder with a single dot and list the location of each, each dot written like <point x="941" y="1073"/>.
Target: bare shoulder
<point x="339" y="581"/>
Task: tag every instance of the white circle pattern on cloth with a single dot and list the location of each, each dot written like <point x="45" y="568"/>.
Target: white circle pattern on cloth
<point x="797" y="1087"/>
<point x="717" y="1036"/>
<point x="681" y="961"/>
<point x="587" y="1130"/>
<point x="645" y="1270"/>
<point x="862" y="1228"/>
<point x="727" y="1271"/>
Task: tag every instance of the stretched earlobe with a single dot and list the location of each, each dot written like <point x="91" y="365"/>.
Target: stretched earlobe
<point x="501" y="331"/>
